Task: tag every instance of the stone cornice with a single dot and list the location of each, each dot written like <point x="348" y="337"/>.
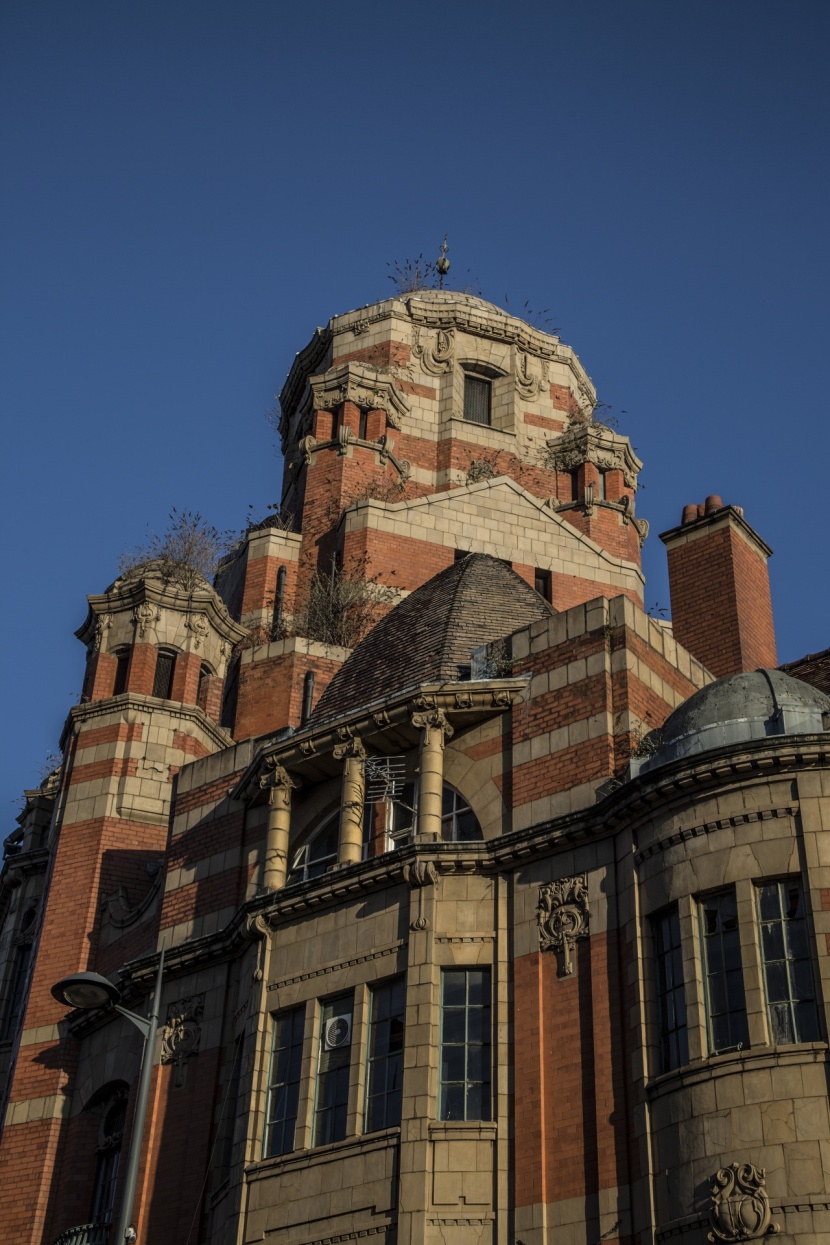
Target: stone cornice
<point x="144" y="705"/>
<point x="130" y="594"/>
<point x="305" y="362"/>
<point x="361" y="384"/>
<point x="595" y="444"/>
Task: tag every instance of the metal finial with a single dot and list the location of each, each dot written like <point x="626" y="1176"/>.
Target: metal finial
<point x="443" y="264"/>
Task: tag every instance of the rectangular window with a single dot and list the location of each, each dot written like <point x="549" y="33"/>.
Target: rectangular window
<point x="788" y="973"/>
<point x="284" y="1082"/>
<point x="477" y="399"/>
<point x="331" y="1107"/>
<point x="163" y="680"/>
<point x="723" y="976"/>
<point x="671" y="1001"/>
<point x="542" y="584"/>
<point x="385" y="1072"/>
<point x="15" y="998"/>
<point x="121" y="671"/>
<point x="465" y="1044"/>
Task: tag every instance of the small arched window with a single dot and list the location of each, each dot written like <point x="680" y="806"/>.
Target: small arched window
<point x="228" y="717"/>
<point x="122" y="668"/>
<point x="279" y="603"/>
<point x="308" y="697"/>
<point x="205" y="673"/>
<point x="163" y="681"/>
<point x="318" y="854"/>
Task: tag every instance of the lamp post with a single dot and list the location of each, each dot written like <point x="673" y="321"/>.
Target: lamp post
<point x="86" y="991"/>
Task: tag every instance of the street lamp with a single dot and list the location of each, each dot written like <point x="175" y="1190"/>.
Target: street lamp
<point x="85" y="991"/>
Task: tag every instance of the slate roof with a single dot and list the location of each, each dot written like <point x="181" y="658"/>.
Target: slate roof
<point x="813" y="669"/>
<point x="429" y="637"/>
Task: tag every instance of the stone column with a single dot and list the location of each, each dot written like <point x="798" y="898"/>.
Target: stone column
<point x="279" y="785"/>
<point x="353" y="755"/>
<point x="436" y="728"/>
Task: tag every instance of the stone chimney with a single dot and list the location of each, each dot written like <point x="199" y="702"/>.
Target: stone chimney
<point x="719" y="584"/>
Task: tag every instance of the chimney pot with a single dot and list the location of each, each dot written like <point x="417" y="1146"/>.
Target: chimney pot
<point x="713" y="503"/>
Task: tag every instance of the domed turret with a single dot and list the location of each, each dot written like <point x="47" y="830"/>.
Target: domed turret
<point x="739" y="708"/>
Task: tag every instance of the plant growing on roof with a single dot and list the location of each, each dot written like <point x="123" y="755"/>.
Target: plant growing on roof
<point x="340" y="606"/>
<point x="186" y="554"/>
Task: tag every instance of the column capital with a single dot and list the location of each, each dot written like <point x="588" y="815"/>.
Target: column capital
<point x="277" y="779"/>
<point x="352" y="748"/>
<point x="433" y="720"/>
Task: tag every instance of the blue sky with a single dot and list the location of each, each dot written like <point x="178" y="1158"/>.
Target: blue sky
<point x="189" y="188"/>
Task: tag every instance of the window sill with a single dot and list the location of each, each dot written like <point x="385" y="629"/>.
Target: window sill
<point x="725" y="1065"/>
<point x="451" y="424"/>
<point x="300" y="1159"/>
<point x="463" y="1130"/>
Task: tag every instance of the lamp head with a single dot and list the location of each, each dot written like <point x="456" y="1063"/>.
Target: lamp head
<point x="85" y="991"/>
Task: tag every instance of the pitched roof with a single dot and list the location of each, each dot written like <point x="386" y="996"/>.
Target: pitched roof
<point x="429" y="637"/>
<point x="813" y="669"/>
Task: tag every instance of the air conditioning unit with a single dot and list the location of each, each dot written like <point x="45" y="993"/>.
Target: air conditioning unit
<point x="337" y="1033"/>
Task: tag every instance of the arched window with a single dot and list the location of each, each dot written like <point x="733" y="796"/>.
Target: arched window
<point x="318" y="854"/>
<point x="279" y="603"/>
<point x="122" y="658"/>
<point x="308" y="697"/>
<point x="205" y="673"/>
<point x="459" y="823"/>
<point x="163" y="681"/>
<point x="113" y="1107"/>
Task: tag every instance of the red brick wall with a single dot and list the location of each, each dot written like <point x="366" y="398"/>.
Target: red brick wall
<point x="142" y="669"/>
<point x="271" y="691"/>
<point x="721" y="604"/>
<point x="186" y="678"/>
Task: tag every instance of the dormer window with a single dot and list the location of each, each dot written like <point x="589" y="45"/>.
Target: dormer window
<point x="163" y="681"/>
<point x="477" y="399"/>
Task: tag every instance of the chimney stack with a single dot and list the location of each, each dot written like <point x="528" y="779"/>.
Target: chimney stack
<point x="719" y="583"/>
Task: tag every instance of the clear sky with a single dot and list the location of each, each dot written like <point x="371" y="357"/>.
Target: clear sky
<point x="189" y="188"/>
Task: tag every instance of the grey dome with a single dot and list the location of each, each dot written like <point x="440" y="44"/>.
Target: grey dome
<point x="741" y="707"/>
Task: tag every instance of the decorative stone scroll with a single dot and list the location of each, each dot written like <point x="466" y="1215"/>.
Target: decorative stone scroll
<point x="433" y="720"/>
<point x="527" y="385"/>
<point x="740" y="1205"/>
<point x="562" y="914"/>
<point x="435" y="359"/>
<point x="182" y="1033"/>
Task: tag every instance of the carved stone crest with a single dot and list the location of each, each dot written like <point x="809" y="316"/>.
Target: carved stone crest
<point x="145" y="615"/>
<point x="527" y="385"/>
<point x="562" y="914"/>
<point x="740" y="1205"/>
<point x="182" y="1032"/>
<point x="197" y="624"/>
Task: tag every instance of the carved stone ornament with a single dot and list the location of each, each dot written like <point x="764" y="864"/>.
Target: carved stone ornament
<point x="527" y="385"/>
<point x="352" y="748"/>
<point x="740" y="1205"/>
<point x="102" y="624"/>
<point x="182" y="1032"/>
<point x="435" y="358"/>
<point x="145" y="615"/>
<point x="364" y="386"/>
<point x="562" y="913"/>
<point x="592" y="443"/>
<point x="433" y="720"/>
<point x="197" y="624"/>
<point x="276" y="780"/>
<point x="420" y="873"/>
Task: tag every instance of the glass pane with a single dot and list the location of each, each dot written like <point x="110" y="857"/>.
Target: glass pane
<point x="479" y="986"/>
<point x="772" y="938"/>
<point x="452" y="1063"/>
<point x="452" y="1102"/>
<point x="455" y="988"/>
<point x="455" y="1025"/>
<point x="778" y="987"/>
<point x="478" y="1102"/>
<point x="768" y="901"/>
<point x="477" y="399"/>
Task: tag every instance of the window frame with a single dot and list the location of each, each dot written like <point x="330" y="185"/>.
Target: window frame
<point x="385" y="1060"/>
<point x="293" y="1085"/>
<point x="787" y="962"/>
<point x="739" y="1027"/>
<point x="485" y="383"/>
<point x="448" y="1011"/>
<point x="670" y="989"/>
<point x="339" y="1110"/>
<point x="165" y="691"/>
<point x="302" y="862"/>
